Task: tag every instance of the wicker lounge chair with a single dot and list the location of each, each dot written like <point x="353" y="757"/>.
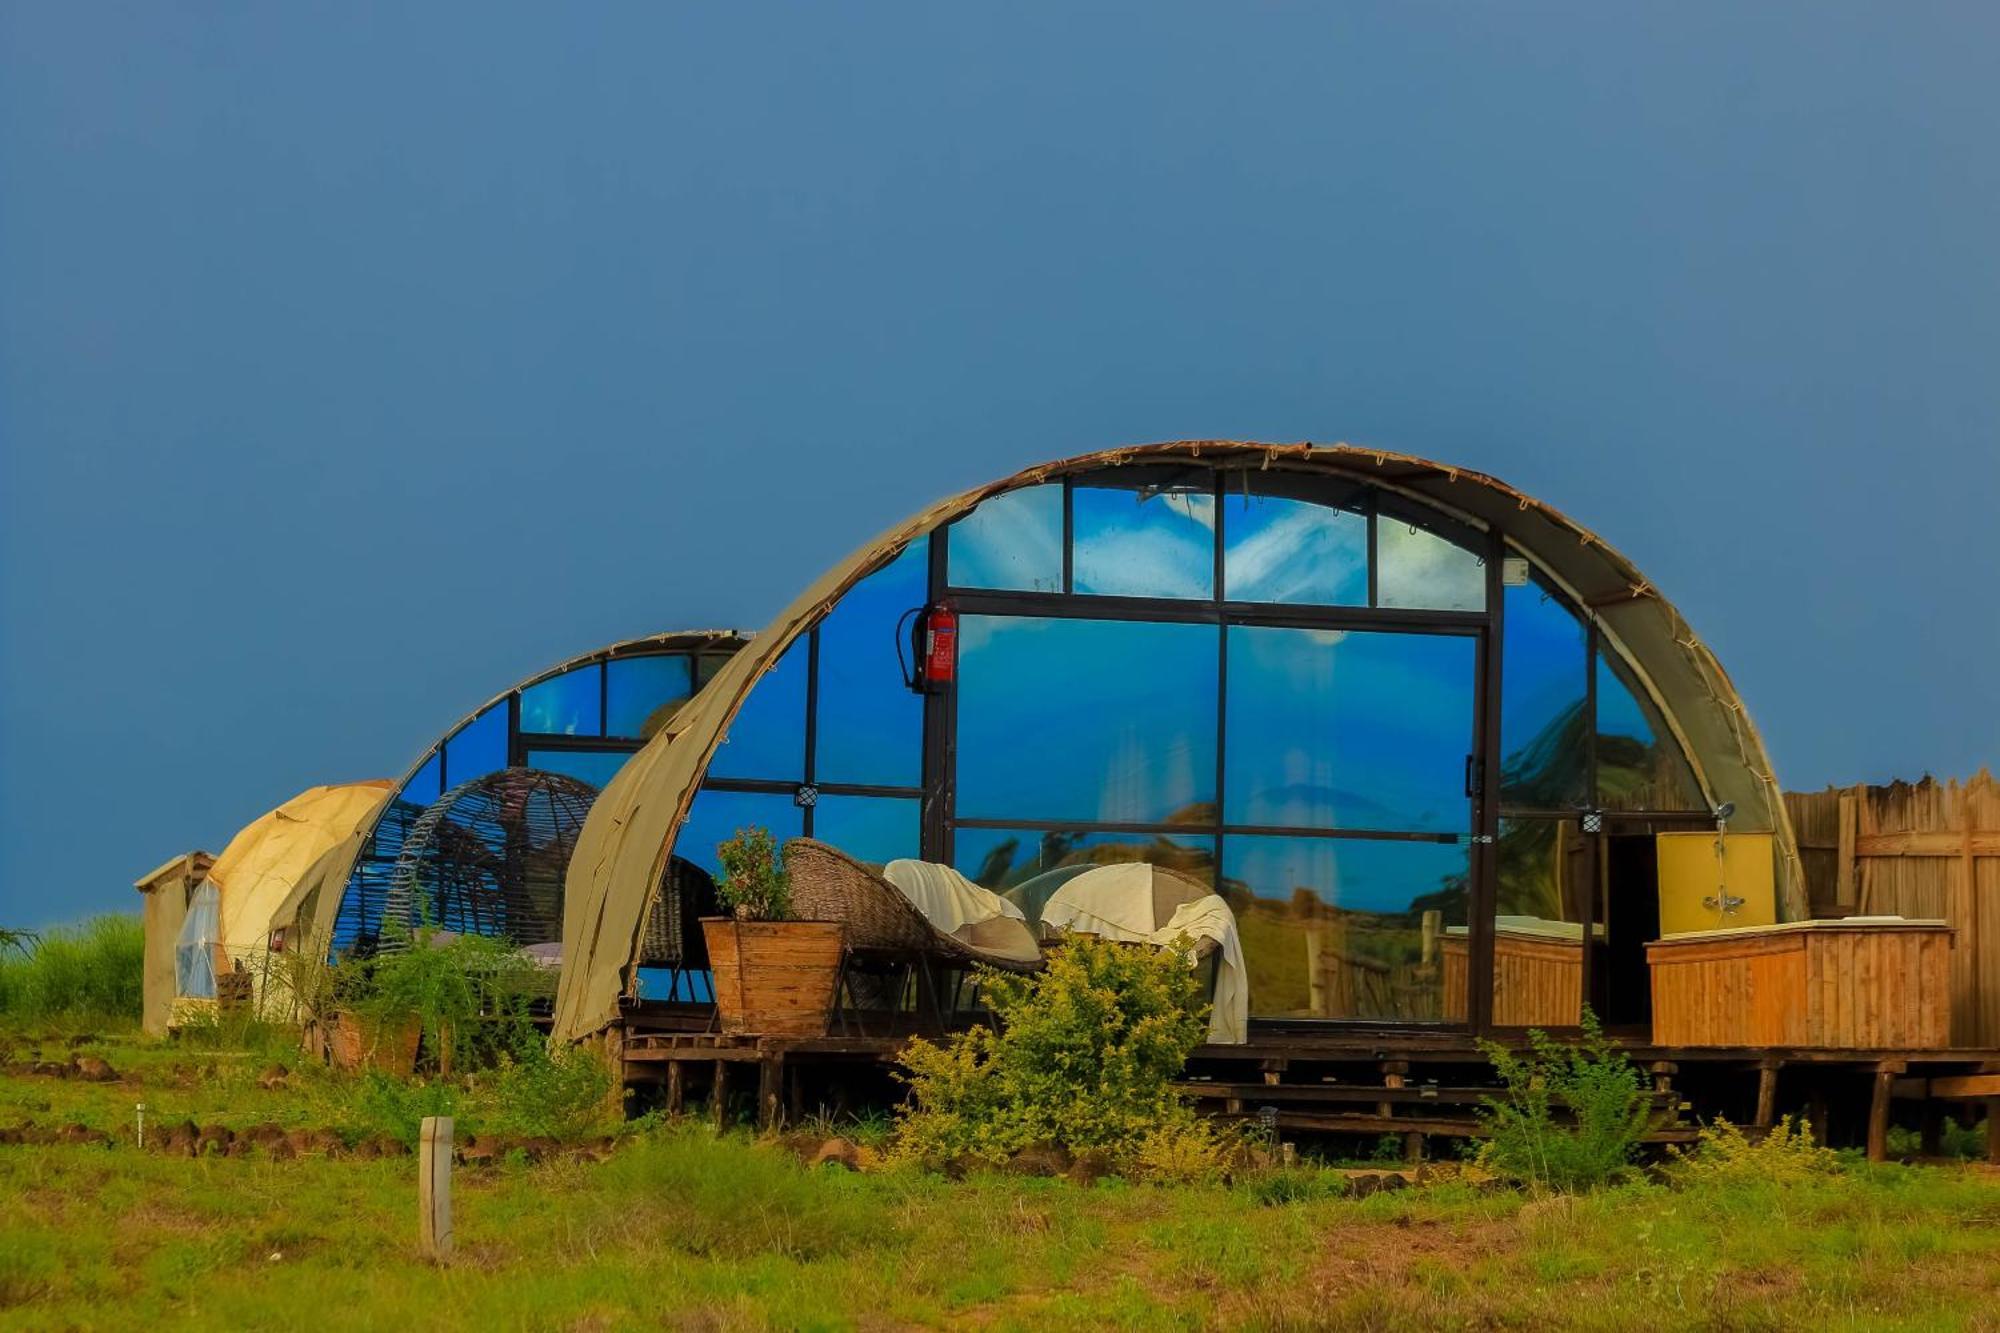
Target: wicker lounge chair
<point x="893" y="956"/>
<point x="830" y="885"/>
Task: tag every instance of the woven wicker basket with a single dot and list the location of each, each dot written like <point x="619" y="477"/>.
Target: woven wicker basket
<point x="830" y="885"/>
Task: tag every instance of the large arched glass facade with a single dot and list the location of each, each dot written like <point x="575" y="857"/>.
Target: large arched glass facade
<point x="1342" y="706"/>
<point x="582" y="720"/>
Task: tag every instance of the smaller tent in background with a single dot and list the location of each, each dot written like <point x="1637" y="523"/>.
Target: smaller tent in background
<point x="252" y="878"/>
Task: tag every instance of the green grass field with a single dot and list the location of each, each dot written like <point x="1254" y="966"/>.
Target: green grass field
<point x="681" y="1229"/>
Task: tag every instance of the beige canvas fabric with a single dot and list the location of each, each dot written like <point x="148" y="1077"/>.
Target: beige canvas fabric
<point x="1137" y="904"/>
<point x="630" y="832"/>
<point x="975" y="916"/>
<point x="261" y="866"/>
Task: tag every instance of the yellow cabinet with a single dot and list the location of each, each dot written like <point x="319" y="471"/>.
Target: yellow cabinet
<point x="1711" y="882"/>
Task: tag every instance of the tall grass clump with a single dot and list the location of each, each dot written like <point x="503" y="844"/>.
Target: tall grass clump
<point x="1573" y="1113"/>
<point x="89" y="973"/>
<point x="1083" y="1058"/>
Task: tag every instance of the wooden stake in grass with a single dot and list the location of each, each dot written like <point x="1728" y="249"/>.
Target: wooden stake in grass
<point x="434" y="1188"/>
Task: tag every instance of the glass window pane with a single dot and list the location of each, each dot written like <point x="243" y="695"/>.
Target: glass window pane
<point x="641" y="694"/>
<point x="426" y="784"/>
<point x="716" y="816"/>
<point x="1005" y="860"/>
<point x="478" y="748"/>
<point x="1100" y="720"/>
<point x="1639" y="764"/>
<point x="871" y="726"/>
<point x="1544" y="687"/>
<point x="1280" y="549"/>
<point x="1346" y="927"/>
<point x="1144" y="538"/>
<point x="1012" y="540"/>
<point x="767" y="739"/>
<point x="707" y="665"/>
<point x="565" y="705"/>
<point x="1419" y="570"/>
<point x="1537" y="935"/>
<point x="875" y="829"/>
<point x="1027" y="866"/>
<point x="597" y="767"/>
<point x="1349" y="729"/>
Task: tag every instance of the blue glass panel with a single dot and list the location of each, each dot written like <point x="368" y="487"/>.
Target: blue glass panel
<point x="1639" y="764"/>
<point x="1028" y="866"/>
<point x="1099" y="720"/>
<point x="477" y="748"/>
<point x="565" y="705"/>
<point x="1349" y="729"/>
<point x="1144" y="540"/>
<point x="716" y="816"/>
<point x="1544" y="684"/>
<point x="767" y="739"/>
<point x="641" y="693"/>
<point x="1013" y="540"/>
<point x="1001" y="859"/>
<point x="597" y="767"/>
<point x="1346" y="927"/>
<point x="659" y="983"/>
<point x="426" y="784"/>
<point x="871" y="726"/>
<point x="1278" y="549"/>
<point x="1418" y="569"/>
<point x="875" y="829"/>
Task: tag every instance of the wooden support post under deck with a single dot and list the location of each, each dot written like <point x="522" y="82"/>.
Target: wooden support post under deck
<point x="1395" y="1074"/>
<point x="1993" y="1130"/>
<point x="1816" y="1116"/>
<point x="1878" y="1109"/>
<point x="770" y="1079"/>
<point x="676" y="1086"/>
<point x="1767" y="1093"/>
<point x="718" y="1098"/>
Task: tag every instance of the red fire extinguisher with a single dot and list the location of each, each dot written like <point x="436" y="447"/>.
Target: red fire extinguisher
<point x="933" y="647"/>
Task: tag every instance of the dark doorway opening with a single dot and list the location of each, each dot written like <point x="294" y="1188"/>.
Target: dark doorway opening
<point x="1624" y="989"/>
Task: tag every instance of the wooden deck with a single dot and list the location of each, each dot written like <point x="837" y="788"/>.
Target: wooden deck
<point x="1420" y="1085"/>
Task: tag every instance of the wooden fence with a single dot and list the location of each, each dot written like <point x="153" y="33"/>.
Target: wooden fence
<point x="1926" y="849"/>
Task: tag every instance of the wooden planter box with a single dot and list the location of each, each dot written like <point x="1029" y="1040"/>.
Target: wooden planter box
<point x="353" y="1043"/>
<point x="773" y="978"/>
<point x="1854" y="984"/>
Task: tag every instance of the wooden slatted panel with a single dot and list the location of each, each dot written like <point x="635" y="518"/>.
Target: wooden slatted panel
<point x="1927" y="849"/>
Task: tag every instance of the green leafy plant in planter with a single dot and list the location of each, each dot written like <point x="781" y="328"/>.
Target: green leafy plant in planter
<point x="773" y="975"/>
<point x="754" y="884"/>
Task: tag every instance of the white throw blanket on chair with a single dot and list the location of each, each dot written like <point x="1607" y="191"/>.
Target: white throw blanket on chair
<point x="957" y="907"/>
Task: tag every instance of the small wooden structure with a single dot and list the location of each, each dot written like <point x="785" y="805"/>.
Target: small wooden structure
<point x="1856" y="984"/>
<point x="1925" y="849"/>
<point x="1537" y="973"/>
<point x="166" y="890"/>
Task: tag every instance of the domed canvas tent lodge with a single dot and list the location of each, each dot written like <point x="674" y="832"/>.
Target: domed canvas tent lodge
<point x="531" y="756"/>
<point x="238" y="892"/>
<point x="1423" y="731"/>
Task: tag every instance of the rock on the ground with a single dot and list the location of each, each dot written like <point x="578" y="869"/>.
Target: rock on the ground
<point x="837" y="1152"/>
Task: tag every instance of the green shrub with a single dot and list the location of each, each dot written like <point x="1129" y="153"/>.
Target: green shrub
<point x="1573" y="1113"/>
<point x="1186" y="1150"/>
<point x="1084" y="1057"/>
<point x="469" y="993"/>
<point x="90" y="974"/>
<point x="754" y="884"/>
<point x="561" y="1092"/>
<point x="1785" y="1155"/>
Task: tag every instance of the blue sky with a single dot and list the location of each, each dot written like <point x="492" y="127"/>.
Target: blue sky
<point x="355" y="362"/>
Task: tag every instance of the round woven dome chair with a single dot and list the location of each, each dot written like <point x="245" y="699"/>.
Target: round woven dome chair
<point x="489" y="856"/>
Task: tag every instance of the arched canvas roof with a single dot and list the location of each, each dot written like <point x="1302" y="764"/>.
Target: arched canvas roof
<point x="619" y="859"/>
<point x="262" y="864"/>
<point x="332" y="873"/>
